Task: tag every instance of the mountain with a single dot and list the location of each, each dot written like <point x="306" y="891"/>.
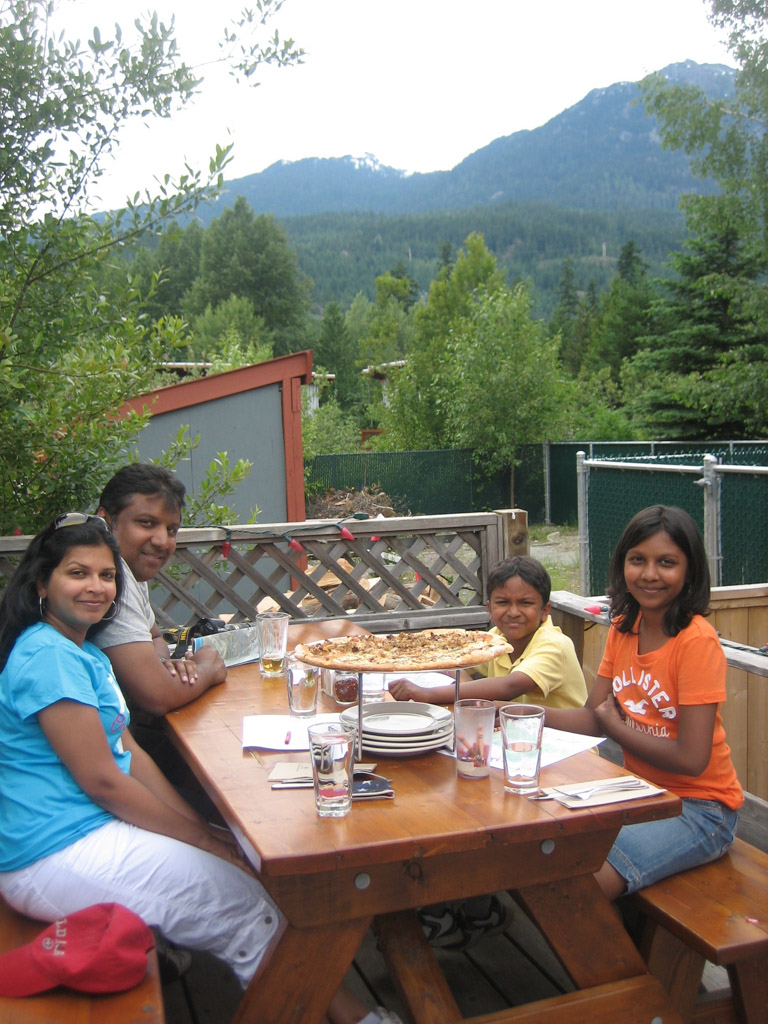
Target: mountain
<point x="604" y="153"/>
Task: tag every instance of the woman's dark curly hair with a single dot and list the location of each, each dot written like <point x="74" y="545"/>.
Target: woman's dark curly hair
<point x="20" y="604"/>
<point x="693" y="598"/>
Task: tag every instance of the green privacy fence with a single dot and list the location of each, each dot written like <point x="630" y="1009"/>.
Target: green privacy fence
<point x="444" y="482"/>
<point x="727" y="500"/>
<point x="422" y="483"/>
<point x="561" y="501"/>
<point x="544" y="481"/>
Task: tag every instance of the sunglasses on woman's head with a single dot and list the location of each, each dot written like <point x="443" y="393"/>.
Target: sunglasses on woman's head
<point x="77" y="519"/>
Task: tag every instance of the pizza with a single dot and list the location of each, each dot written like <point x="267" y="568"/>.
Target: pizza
<point x="405" y="652"/>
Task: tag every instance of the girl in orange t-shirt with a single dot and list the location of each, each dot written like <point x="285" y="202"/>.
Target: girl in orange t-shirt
<point x="657" y="693"/>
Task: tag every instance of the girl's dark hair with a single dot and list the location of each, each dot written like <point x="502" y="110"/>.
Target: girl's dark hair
<point x="527" y="568"/>
<point x="693" y="599"/>
<point x="20" y="604"/>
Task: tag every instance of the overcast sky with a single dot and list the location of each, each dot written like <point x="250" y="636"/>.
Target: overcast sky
<point x="420" y="84"/>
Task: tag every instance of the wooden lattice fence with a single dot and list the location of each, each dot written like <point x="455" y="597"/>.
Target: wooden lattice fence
<point x="396" y="573"/>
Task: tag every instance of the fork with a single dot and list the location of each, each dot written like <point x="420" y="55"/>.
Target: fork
<point x="606" y="787"/>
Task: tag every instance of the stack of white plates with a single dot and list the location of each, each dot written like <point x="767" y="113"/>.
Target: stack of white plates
<point x="394" y="729"/>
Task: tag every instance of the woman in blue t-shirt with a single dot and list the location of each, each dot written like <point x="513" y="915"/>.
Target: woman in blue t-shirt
<point x="85" y="815"/>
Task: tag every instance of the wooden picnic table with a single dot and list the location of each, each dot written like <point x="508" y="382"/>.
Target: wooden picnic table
<point x="442" y="837"/>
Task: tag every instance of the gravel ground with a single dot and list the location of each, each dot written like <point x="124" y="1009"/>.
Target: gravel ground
<point x="559" y="553"/>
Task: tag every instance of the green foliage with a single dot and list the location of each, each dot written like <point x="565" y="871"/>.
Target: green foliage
<point x="248" y="256"/>
<point x="706" y="360"/>
<point x="413" y="418"/>
<point x="165" y="272"/>
<point x="501" y="387"/>
<point x="327" y="430"/>
<point x="344" y="253"/>
<point x="389" y="328"/>
<point x="452" y="293"/>
<point x="58" y="440"/>
<point x="336" y="351"/>
<point x="231" y="334"/>
<point x="624" y="316"/>
<point x="686" y="380"/>
<point x="482" y="374"/>
<point x="597" y="410"/>
<point x="73" y="342"/>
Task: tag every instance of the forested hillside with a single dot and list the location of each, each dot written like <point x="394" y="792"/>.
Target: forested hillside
<point x="344" y="253"/>
<point x="577" y="188"/>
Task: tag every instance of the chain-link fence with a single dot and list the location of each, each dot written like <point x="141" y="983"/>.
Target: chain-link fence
<point x="729" y="502"/>
<point x="561" y="501"/>
<point x="544" y="482"/>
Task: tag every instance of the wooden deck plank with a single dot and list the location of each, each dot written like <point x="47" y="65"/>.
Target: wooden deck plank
<point x="502" y="971"/>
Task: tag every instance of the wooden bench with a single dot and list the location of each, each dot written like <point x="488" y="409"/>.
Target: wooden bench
<point x="716" y="912"/>
<point x="140" y="1005"/>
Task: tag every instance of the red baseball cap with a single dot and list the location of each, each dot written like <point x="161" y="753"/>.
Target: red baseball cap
<point x="102" y="948"/>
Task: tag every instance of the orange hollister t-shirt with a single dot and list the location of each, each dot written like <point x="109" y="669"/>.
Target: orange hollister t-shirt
<point x="650" y="688"/>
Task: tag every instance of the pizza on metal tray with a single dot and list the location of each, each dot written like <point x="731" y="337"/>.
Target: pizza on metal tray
<point x="405" y="652"/>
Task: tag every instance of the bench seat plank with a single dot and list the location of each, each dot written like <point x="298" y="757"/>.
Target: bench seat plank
<point x="140" y="1005"/>
<point x="716" y="912"/>
<point x="719" y="909"/>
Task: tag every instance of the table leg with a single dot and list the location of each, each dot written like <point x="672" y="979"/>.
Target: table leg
<point x="300" y="973"/>
<point x="676" y="965"/>
<point x="414" y="971"/>
<point x="584" y="930"/>
<point x="749" y="983"/>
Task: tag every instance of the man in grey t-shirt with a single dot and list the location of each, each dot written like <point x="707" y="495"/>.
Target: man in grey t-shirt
<point x="142" y="504"/>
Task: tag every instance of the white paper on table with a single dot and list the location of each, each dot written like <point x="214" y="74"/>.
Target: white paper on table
<point x="270" y="732"/>
<point x="301" y="771"/>
<point x="556" y="745"/>
<point x="372" y="679"/>
<point x="604" y="796"/>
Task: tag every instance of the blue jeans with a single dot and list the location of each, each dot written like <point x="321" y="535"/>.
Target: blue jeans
<point x="644" y="853"/>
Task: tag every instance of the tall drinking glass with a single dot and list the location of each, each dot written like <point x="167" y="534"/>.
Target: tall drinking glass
<point x="522" y="728"/>
<point x="273" y="640"/>
<point x="331" y="746"/>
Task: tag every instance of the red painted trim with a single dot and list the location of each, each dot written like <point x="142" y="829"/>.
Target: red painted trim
<point x="221" y="385"/>
<point x="289" y="371"/>
<point x="294" y="453"/>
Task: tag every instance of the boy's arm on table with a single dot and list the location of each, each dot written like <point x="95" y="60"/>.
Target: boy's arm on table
<point x="500" y="688"/>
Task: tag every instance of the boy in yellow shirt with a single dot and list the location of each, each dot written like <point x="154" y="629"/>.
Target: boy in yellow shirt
<point x="542" y="668"/>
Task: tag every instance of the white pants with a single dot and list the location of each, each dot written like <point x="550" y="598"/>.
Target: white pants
<point x="197" y="900"/>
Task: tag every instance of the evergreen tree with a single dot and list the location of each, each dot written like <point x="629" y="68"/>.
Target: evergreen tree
<point x="336" y="352"/>
<point x="705" y="331"/>
<point x="400" y="273"/>
<point x="563" y="319"/>
<point x="581" y="331"/>
<point x="624" y="314"/>
<point x="247" y="255"/>
<point x="631" y="266"/>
